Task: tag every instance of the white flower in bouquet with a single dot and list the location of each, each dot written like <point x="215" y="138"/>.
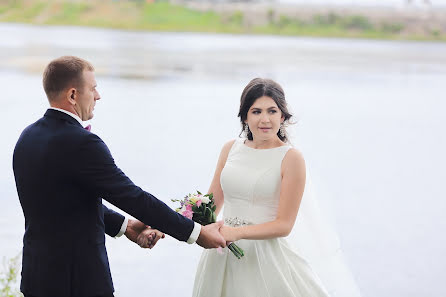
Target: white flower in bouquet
<point x="205" y="199"/>
<point x="194" y="199"/>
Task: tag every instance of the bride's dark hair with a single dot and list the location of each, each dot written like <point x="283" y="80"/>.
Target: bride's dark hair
<point x="257" y="88"/>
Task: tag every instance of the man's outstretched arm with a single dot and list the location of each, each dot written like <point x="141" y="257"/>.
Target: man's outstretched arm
<point x="99" y="172"/>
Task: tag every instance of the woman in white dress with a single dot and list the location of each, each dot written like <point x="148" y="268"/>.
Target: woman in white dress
<point x="261" y="182"/>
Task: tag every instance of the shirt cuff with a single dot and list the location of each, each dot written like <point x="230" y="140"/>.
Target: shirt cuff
<point x="123" y="228"/>
<point x="195" y="233"/>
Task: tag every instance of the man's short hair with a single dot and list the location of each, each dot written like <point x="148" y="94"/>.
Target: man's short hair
<point x="63" y="73"/>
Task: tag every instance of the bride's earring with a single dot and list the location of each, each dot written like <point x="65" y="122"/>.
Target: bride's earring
<point x="246" y="130"/>
<point x="282" y="130"/>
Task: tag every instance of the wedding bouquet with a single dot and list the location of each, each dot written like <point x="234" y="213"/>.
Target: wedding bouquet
<point x="201" y="209"/>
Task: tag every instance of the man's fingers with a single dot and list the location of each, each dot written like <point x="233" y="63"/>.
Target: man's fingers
<point x="210" y="236"/>
<point x="161" y="234"/>
<point x="142" y="241"/>
<point x="149" y="237"/>
<point x="222" y="242"/>
<point x="145" y="240"/>
<point x="157" y="236"/>
<point x="156" y="240"/>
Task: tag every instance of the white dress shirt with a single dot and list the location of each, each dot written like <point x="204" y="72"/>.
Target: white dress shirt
<point x="197" y="227"/>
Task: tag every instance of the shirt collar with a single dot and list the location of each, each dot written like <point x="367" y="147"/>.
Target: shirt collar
<point x="75" y="116"/>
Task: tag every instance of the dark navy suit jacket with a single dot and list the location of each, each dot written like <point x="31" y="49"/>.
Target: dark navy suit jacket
<point x="62" y="172"/>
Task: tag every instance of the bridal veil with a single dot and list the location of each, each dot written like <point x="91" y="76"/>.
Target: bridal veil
<point x="316" y="240"/>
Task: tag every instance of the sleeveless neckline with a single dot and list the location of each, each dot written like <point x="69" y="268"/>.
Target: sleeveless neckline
<point x="268" y="149"/>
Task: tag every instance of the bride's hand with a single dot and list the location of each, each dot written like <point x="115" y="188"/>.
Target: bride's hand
<point x="230" y="234"/>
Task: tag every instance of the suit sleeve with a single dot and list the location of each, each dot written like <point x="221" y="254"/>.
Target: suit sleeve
<point x="98" y="171"/>
<point x="113" y="221"/>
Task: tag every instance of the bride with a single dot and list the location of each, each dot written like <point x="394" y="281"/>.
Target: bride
<point x="261" y="182"/>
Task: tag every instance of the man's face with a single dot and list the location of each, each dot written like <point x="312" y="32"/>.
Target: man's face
<point x="86" y="97"/>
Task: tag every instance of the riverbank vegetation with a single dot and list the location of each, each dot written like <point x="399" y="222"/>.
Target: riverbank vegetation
<point x="8" y="277"/>
<point x="167" y="16"/>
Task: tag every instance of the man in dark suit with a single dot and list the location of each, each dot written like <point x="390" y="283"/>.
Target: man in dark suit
<point x="62" y="173"/>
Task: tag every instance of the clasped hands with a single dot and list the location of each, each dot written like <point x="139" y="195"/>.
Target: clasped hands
<point x="211" y="236"/>
<point x="217" y="235"/>
<point x="143" y="235"/>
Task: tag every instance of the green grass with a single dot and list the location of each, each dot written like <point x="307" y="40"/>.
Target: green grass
<point x="163" y="16"/>
<point x="67" y="14"/>
<point x="34" y="11"/>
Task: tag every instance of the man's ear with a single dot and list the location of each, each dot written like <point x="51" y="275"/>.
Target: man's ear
<point x="71" y="96"/>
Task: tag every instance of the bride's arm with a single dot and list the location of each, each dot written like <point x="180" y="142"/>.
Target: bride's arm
<point x="291" y="191"/>
<point x="215" y="187"/>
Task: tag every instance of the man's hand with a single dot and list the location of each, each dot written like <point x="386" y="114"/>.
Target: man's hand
<point x="210" y="236"/>
<point x="149" y="236"/>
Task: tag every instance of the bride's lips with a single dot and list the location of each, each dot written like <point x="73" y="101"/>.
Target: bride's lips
<point x="264" y="129"/>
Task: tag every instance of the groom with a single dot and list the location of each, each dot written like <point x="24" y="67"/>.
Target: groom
<point x="62" y="173"/>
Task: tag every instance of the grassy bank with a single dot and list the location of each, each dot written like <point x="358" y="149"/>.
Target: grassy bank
<point x="164" y="16"/>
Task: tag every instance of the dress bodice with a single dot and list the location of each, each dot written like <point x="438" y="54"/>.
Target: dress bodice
<point x="251" y="182"/>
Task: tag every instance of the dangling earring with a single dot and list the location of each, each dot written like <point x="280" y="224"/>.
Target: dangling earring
<point x="246" y="130"/>
<point x="282" y="130"/>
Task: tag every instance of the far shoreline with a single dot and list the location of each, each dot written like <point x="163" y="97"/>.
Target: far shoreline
<point x="334" y="21"/>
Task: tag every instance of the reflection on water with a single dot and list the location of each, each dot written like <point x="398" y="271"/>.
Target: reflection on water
<point x="179" y="55"/>
<point x="370" y="126"/>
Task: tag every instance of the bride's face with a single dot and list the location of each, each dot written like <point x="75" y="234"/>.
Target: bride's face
<point x="264" y="118"/>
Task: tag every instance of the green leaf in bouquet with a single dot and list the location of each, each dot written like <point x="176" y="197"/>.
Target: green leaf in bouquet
<point x="208" y="214"/>
<point x="214" y="217"/>
<point x="195" y="209"/>
<point x="199" y="193"/>
<point x="214" y="208"/>
<point x="198" y="219"/>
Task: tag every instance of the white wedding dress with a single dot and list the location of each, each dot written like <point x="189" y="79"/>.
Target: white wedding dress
<point x="251" y="182"/>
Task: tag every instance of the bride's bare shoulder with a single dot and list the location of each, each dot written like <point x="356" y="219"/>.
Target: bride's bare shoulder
<point x="293" y="159"/>
<point x="227" y="147"/>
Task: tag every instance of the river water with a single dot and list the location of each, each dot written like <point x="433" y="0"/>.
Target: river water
<point x="370" y="122"/>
